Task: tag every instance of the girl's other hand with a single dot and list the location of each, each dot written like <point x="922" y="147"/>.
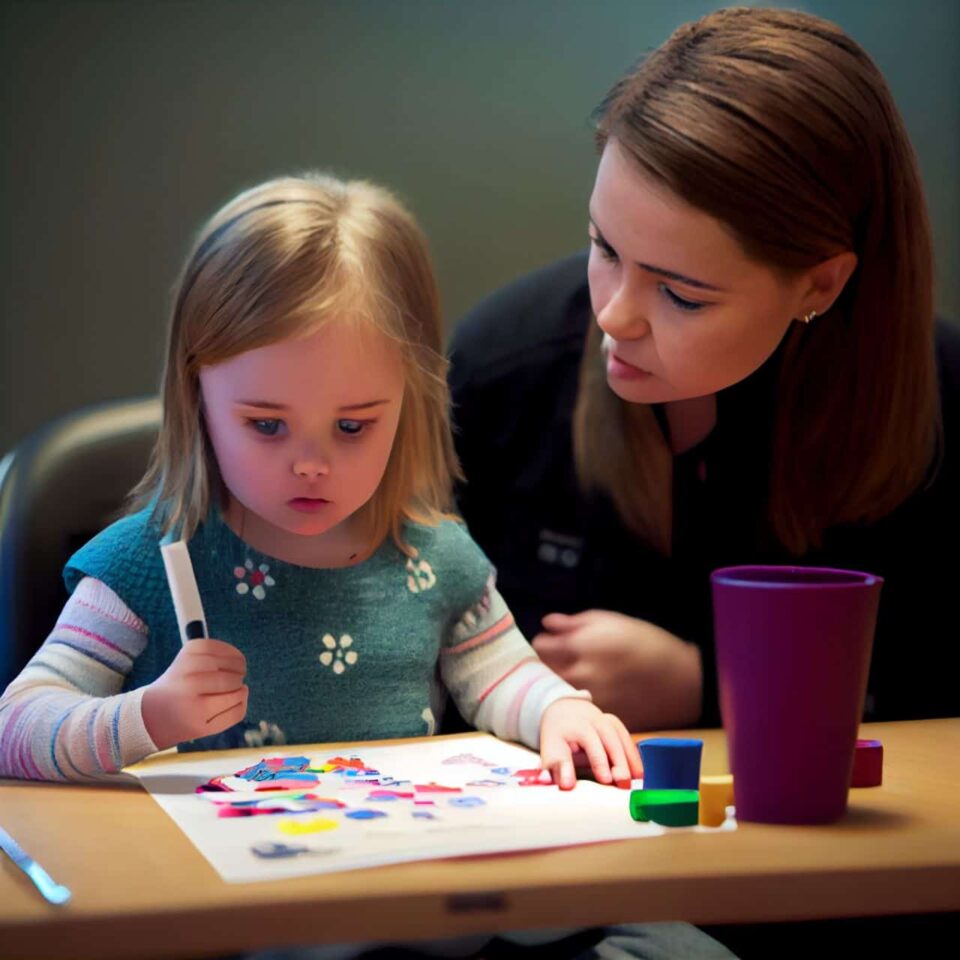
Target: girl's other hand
<point x="202" y="692"/>
<point x="569" y="723"/>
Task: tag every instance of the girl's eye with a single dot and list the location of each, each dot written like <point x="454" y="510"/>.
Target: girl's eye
<point x="351" y="428"/>
<point x="679" y="302"/>
<point x="606" y="251"/>
<point x="266" y="428"/>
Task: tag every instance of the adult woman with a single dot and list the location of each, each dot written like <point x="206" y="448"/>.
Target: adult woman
<point x="761" y="384"/>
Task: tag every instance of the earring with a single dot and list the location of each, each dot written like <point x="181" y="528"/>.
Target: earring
<point x="807" y="317"/>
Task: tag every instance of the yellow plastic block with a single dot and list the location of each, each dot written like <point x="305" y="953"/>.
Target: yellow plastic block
<point x="716" y="794"/>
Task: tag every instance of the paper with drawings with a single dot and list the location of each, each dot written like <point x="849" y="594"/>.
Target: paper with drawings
<point x="364" y="806"/>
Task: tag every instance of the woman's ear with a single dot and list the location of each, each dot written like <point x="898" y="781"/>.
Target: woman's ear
<point x="826" y="281"/>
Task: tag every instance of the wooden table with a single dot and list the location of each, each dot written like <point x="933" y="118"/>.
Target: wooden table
<point x="141" y="889"/>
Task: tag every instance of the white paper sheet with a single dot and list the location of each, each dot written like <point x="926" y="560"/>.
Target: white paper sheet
<point x="497" y="819"/>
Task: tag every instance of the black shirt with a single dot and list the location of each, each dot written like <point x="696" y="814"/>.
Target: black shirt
<point x="515" y="364"/>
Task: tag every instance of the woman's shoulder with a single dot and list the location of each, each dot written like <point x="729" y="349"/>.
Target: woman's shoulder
<point x="540" y="316"/>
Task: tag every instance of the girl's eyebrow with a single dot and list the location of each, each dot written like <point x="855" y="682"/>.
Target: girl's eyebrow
<point x="660" y="271"/>
<point x="364" y="406"/>
<point x="270" y="405"/>
<point x="262" y="404"/>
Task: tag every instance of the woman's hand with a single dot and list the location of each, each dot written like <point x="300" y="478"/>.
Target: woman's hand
<point x="569" y="723"/>
<point x="648" y="677"/>
<point x="202" y="692"/>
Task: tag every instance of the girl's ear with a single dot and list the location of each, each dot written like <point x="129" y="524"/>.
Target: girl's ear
<point x="826" y="281"/>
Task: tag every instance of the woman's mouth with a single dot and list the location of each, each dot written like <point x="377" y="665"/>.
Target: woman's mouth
<point x="621" y="370"/>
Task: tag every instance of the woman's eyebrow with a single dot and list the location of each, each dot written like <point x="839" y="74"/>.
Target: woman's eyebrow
<point x="661" y="271"/>
<point x="681" y="278"/>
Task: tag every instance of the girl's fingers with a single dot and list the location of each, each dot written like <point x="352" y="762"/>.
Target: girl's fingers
<point x="616" y="750"/>
<point x="213" y="682"/>
<point x="209" y="663"/>
<point x="214" y="648"/>
<point x="596" y="750"/>
<point x="222" y="710"/>
<point x="556" y="757"/>
<point x="633" y="754"/>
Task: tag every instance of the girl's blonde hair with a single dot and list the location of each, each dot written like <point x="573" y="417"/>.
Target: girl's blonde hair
<point x="282" y="260"/>
<point x="781" y="127"/>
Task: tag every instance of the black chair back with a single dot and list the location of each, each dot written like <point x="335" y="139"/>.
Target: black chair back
<point x="60" y="486"/>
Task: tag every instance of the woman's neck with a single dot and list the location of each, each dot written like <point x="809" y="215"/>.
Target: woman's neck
<point x="690" y="421"/>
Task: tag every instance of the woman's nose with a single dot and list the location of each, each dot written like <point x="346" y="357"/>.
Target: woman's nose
<point x="622" y="317"/>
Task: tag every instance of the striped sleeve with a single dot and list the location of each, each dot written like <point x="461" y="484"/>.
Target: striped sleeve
<point x="495" y="677"/>
<point x="64" y="717"/>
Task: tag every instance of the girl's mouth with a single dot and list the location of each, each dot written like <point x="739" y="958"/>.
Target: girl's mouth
<point x="308" y="504"/>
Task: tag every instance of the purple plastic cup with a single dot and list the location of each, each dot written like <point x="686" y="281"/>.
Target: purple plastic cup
<point x="793" y="656"/>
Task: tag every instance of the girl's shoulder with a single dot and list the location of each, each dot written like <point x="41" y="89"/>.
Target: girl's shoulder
<point x="448" y="537"/>
<point x="125" y="556"/>
<point x="446" y="551"/>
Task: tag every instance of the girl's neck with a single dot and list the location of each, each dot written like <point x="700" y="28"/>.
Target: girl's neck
<point x="690" y="421"/>
<point x="342" y="546"/>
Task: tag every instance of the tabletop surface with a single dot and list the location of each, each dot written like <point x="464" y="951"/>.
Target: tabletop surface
<point x="140" y="888"/>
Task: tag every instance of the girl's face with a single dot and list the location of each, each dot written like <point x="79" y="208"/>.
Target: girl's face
<point x="684" y="311"/>
<point x="302" y="429"/>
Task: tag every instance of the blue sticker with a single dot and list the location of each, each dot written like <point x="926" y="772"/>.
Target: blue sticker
<point x="467" y="802"/>
<point x="423" y="815"/>
<point x="276" y="851"/>
<point x="365" y="814"/>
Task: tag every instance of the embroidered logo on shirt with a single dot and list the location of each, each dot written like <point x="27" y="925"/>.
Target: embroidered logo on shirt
<point x="264" y="735"/>
<point x="420" y="576"/>
<point x="467" y="624"/>
<point x="559" y="549"/>
<point x="253" y="581"/>
<point x="338" y="655"/>
<point x="430" y="720"/>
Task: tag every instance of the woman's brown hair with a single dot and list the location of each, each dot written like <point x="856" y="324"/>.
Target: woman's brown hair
<point x="279" y="261"/>
<point x="780" y="126"/>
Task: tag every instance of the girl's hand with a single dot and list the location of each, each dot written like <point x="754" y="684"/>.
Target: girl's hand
<point x="650" y="678"/>
<point x="202" y="692"/>
<point x="570" y="723"/>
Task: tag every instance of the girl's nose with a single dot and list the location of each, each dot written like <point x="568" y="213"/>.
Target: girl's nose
<point x="310" y="466"/>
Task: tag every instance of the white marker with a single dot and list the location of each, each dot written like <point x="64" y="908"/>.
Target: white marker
<point x="183" y="588"/>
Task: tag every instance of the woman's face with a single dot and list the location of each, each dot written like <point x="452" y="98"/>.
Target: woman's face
<point x="684" y="311"/>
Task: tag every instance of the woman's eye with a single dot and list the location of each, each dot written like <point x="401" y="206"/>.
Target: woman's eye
<point x="606" y="251"/>
<point x="266" y="428"/>
<point x="351" y="428"/>
<point x="680" y="302"/>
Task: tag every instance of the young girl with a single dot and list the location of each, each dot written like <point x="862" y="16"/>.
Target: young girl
<point x="305" y="454"/>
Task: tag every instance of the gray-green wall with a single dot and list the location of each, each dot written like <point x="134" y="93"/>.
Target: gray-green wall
<point x="125" y="123"/>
